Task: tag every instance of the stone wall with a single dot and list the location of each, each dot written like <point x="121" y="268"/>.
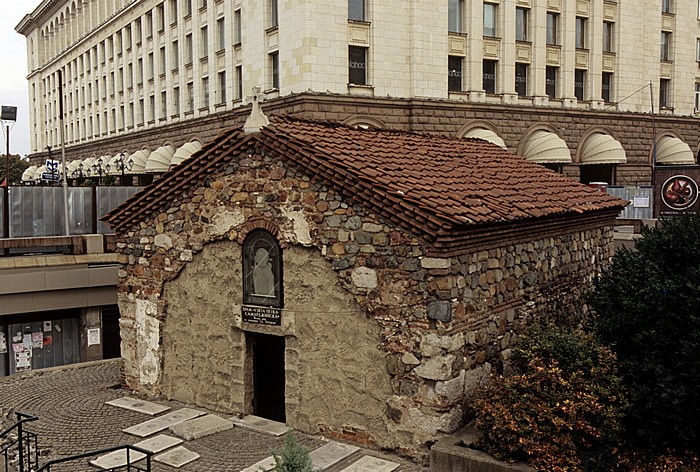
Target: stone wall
<point x="634" y="131"/>
<point x="370" y="321"/>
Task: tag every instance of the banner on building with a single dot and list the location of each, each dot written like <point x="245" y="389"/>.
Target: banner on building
<point x="676" y="191"/>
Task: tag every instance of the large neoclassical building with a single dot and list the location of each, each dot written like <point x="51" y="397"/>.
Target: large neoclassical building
<point x="568" y="84"/>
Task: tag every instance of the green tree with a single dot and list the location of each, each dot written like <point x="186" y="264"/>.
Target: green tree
<point x="17" y="168"/>
<point x="648" y="311"/>
<point x="293" y="457"/>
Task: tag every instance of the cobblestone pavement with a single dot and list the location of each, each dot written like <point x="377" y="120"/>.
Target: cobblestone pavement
<point x="73" y="418"/>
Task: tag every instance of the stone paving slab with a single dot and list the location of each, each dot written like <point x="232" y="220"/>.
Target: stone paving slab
<point x="156" y="425"/>
<point x="140" y="406"/>
<point x="266" y="464"/>
<point x="116" y="459"/>
<point x="371" y="464"/>
<point x="159" y="443"/>
<point x="331" y="453"/>
<point x="261" y="425"/>
<point x="177" y="457"/>
<point x="200" y="427"/>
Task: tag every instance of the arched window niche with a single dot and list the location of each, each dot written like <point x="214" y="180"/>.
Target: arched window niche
<point x="262" y="270"/>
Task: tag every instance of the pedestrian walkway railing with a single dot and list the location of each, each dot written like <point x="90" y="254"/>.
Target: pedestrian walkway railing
<point x="133" y="454"/>
<point x="19" y="445"/>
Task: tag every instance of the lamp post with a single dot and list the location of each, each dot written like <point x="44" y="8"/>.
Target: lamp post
<point x="123" y="166"/>
<point x="78" y="174"/>
<point x="98" y="170"/>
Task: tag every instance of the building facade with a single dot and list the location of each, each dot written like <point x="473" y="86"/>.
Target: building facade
<point x="568" y="84"/>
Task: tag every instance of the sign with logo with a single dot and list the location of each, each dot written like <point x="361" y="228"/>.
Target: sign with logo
<point x="52" y="173"/>
<point x="8" y="113"/>
<point x="262" y="315"/>
<point x="676" y="191"/>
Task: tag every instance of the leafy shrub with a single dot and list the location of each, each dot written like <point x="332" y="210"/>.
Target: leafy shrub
<point x="293" y="457"/>
<point x="648" y="311"/>
<point x="557" y="416"/>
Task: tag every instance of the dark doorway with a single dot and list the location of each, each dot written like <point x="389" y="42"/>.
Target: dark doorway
<point x="598" y="173"/>
<point x="111" y="337"/>
<point x="268" y="376"/>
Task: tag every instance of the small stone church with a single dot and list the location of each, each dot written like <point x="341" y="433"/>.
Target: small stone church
<point x="360" y="283"/>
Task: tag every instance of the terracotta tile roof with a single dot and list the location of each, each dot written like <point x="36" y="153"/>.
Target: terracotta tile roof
<point x="431" y="184"/>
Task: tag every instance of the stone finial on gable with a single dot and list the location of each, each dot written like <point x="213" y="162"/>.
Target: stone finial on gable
<point x="257" y="119"/>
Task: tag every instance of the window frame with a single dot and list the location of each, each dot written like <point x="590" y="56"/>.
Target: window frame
<point x="493" y="79"/>
<point x="455" y="83"/>
<point x="582" y="95"/>
<point x="608" y="36"/>
<point x="609" y="75"/>
<point x="666" y="52"/>
<point x="521" y="78"/>
<point x="254" y="241"/>
<point x="552" y="28"/>
<point x="492" y="30"/>
<point x="364" y="61"/>
<point x="581" y="34"/>
<point x="274" y="70"/>
<point x="551" y="81"/>
<point x="521" y="23"/>
<point x="664" y="93"/>
<point x="357" y="10"/>
<point x="455" y="16"/>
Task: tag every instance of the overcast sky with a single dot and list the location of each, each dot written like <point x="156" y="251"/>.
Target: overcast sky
<point x="13" y="72"/>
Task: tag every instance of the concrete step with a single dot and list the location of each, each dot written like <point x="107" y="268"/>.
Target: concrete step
<point x="331" y="453"/>
<point x="141" y="406"/>
<point x="155" y="445"/>
<point x="200" y="427"/>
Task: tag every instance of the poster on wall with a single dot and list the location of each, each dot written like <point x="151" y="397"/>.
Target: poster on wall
<point x="3" y="343"/>
<point x="23" y="360"/>
<point x="676" y="191"/>
<point x="93" y="336"/>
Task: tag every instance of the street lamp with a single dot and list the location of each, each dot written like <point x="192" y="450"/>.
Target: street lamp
<point x="78" y="174"/>
<point x="98" y="170"/>
<point x="123" y="166"/>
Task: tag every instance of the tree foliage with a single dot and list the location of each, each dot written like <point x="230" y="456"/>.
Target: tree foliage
<point x="17" y="168"/>
<point x="648" y="311"/>
<point x="293" y="457"/>
<point x="562" y="409"/>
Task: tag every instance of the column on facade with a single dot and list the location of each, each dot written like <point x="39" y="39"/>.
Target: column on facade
<point x="567" y="62"/>
<point x="506" y="63"/>
<point x="538" y="54"/>
<point x="594" y="75"/>
<point x="474" y="26"/>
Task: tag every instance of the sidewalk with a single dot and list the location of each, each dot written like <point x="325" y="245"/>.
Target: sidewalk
<point x="73" y="418"/>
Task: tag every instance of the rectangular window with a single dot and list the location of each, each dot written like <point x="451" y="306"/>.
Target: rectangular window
<point x="137" y="30"/>
<point x="176" y="100"/>
<point x="490" y="20"/>
<point x="222" y="86"/>
<point x="127" y="37"/>
<point x="176" y="55"/>
<point x="163" y="104"/>
<point x="455" y="13"/>
<point x="521" y="79"/>
<point x="521" y="24"/>
<point x="161" y="17"/>
<point x="454" y="78"/>
<point x="202" y="4"/>
<point x="356" y="10"/>
<point x="697" y="50"/>
<point x="697" y="97"/>
<point x="205" y="92"/>
<point x="580" y="84"/>
<point x="204" y="41"/>
<point x="357" y="65"/>
<point x="118" y="42"/>
<point x="237" y="25"/>
<point x="665" y="46"/>
<point x="221" y="29"/>
<point x="551" y="81"/>
<point x="552" y="28"/>
<point x="142" y="111"/>
<point x="151" y="65"/>
<point x="581" y="30"/>
<point x="274" y="18"/>
<point x="149" y="24"/>
<point x="665" y="93"/>
<point x="189" y="52"/>
<point x="190" y="96"/>
<point x="665" y="6"/>
<point x="239" y="82"/>
<point x="120" y="79"/>
<point x="112" y="85"/>
<point x="162" y="60"/>
<point x="139" y="71"/>
<point x="110" y="48"/>
<point x="130" y="75"/>
<point x="607" y="87"/>
<point x="275" y="70"/>
<point x="173" y="11"/>
<point x="608" y="36"/>
<point x="188" y="7"/>
<point x="489" y="80"/>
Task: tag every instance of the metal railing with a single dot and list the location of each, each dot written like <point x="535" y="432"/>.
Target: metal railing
<point x="128" y="467"/>
<point x="24" y="445"/>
